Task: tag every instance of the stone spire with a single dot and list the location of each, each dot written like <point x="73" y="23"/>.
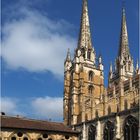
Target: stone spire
<point x="137" y="65"/>
<point x="123" y="50"/>
<point x="124" y="62"/>
<point x="137" y="68"/>
<point x="111" y="69"/>
<point x="110" y="73"/>
<point x="68" y="62"/>
<point x="101" y="67"/>
<point x="85" y="34"/>
<point x="68" y="58"/>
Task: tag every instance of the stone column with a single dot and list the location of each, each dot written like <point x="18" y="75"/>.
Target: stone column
<point x="5" y="135"/>
<point x="98" y="136"/>
<point x="121" y="86"/>
<point x="83" y="109"/>
<point x="84" y="132"/>
<point x="121" y="95"/>
<point x="86" y="54"/>
<point x="105" y="102"/>
<point x="117" y="127"/>
<point x="130" y="84"/>
<point x="114" y="91"/>
<point x="5" y="138"/>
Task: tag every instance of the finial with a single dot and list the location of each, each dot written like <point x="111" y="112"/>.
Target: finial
<point x="68" y="50"/>
<point x="123" y="7"/>
<point x="100" y="59"/>
<point x="68" y="55"/>
<point x="115" y="64"/>
<point x="137" y="65"/>
<point x="110" y="66"/>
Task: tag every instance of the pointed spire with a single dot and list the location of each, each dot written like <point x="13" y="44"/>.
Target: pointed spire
<point x="111" y="67"/>
<point x="101" y="67"/>
<point x="137" y="68"/>
<point x="68" y="58"/>
<point x="137" y="65"/>
<point x="85" y="35"/>
<point x="123" y="36"/>
<point x="68" y="62"/>
<point x="100" y="59"/>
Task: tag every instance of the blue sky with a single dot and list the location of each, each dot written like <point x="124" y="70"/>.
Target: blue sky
<point x="35" y="37"/>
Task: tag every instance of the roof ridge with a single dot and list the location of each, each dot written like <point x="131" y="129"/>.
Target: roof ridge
<point x="30" y="119"/>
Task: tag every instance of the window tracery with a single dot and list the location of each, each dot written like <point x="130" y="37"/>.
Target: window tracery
<point x="90" y="90"/>
<point x="19" y="136"/>
<point x="90" y="76"/>
<point x="92" y="133"/>
<point x="109" y="131"/>
<point x="131" y="128"/>
<point x="45" y="136"/>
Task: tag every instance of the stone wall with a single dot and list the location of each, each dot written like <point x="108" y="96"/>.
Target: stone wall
<point x="10" y="134"/>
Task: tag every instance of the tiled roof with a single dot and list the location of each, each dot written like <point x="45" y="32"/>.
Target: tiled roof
<point x="31" y="124"/>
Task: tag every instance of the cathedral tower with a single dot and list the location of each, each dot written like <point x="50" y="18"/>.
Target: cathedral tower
<point x="121" y="78"/>
<point x="83" y="78"/>
<point x="124" y="63"/>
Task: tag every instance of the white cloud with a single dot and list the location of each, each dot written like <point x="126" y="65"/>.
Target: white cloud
<point x="48" y="107"/>
<point x="9" y="106"/>
<point x="41" y="107"/>
<point x="36" y="43"/>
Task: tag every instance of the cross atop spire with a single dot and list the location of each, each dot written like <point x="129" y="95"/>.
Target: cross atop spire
<point x="85" y="35"/>
<point x="123" y="50"/>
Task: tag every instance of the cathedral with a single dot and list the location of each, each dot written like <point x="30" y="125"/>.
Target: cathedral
<point x="101" y="113"/>
<point x="91" y="110"/>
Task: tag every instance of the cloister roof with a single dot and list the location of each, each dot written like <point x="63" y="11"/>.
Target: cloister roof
<point x="31" y="124"/>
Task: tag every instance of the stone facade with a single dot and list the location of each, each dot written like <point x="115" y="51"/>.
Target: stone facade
<point x="113" y="124"/>
<point x="96" y="111"/>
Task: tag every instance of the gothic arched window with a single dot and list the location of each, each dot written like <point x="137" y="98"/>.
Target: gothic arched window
<point x="131" y="128"/>
<point x="109" y="131"/>
<point x="83" y="52"/>
<point x="90" y="90"/>
<point x="91" y="132"/>
<point x="90" y="76"/>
